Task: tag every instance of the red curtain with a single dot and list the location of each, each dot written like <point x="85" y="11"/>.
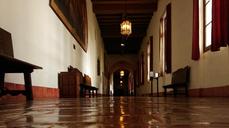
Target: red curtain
<point x="220" y="24"/>
<point x="195" y="35"/>
<point x="168" y="30"/>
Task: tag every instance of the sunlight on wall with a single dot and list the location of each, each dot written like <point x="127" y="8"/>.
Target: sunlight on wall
<point x="40" y="38"/>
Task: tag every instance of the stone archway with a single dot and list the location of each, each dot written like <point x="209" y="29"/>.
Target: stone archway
<point x="121" y="65"/>
<point x="121" y="83"/>
<point x="129" y="68"/>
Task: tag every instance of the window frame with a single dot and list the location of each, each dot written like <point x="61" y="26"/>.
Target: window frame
<point x="205" y="49"/>
<point x="162" y="29"/>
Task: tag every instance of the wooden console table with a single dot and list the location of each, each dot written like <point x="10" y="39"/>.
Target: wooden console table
<point x="12" y="65"/>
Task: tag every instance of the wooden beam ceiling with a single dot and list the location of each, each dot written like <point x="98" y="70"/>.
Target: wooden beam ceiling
<point x="124" y="1"/>
<point x="119" y="9"/>
<point x="109" y="14"/>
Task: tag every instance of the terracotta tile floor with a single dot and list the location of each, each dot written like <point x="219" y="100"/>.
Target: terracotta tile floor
<point x="117" y="112"/>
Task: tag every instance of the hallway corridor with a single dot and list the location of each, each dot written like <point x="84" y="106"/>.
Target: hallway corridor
<point x="115" y="112"/>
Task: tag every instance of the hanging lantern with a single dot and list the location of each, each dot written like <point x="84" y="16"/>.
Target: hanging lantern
<point x="126" y="29"/>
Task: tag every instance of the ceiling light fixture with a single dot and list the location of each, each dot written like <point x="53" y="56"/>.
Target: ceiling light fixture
<point x="126" y="28"/>
<point x="122" y="73"/>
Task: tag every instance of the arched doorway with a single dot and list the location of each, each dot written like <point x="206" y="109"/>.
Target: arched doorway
<point x="121" y="83"/>
<point x="129" y="79"/>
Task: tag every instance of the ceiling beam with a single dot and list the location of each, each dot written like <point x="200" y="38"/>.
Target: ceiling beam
<point x="123" y="1"/>
<point x="117" y="25"/>
<point x="128" y="17"/>
<point x="118" y="35"/>
<point x="109" y="16"/>
<point x="119" y="9"/>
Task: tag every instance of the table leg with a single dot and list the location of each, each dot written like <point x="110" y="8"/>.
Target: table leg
<point x="89" y="93"/>
<point x="157" y="89"/>
<point x="84" y="92"/>
<point x="2" y="77"/>
<point x="151" y="88"/>
<point x="28" y="86"/>
<point x="81" y="91"/>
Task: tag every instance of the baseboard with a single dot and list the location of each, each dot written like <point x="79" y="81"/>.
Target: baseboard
<point x="38" y="92"/>
<point x="222" y="91"/>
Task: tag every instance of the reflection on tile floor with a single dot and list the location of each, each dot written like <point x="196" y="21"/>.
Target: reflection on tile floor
<point x="117" y="112"/>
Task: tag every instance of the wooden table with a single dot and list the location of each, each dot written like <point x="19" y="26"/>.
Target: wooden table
<point x="12" y="65"/>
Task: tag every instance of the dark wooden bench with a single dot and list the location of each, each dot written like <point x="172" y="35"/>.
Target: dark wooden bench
<point x="180" y="81"/>
<point x="73" y="84"/>
<point x="86" y="88"/>
<point x="8" y="64"/>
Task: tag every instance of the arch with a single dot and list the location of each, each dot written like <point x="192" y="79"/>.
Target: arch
<point x="121" y="65"/>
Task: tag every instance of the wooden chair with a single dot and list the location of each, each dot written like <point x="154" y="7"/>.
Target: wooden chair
<point x="86" y="88"/>
<point x="180" y="81"/>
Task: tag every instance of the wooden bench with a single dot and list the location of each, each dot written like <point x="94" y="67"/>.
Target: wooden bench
<point x="180" y="81"/>
<point x="73" y="84"/>
<point x="8" y="64"/>
<point x="86" y="88"/>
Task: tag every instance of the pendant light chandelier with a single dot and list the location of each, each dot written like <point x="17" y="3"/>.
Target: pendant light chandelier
<point x="126" y="28"/>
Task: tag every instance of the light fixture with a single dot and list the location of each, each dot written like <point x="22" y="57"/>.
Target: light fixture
<point x="156" y="75"/>
<point x="153" y="74"/>
<point x="122" y="44"/>
<point x="122" y="73"/>
<point x="126" y="28"/>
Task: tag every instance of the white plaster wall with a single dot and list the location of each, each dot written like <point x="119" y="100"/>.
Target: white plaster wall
<point x="210" y="71"/>
<point x="40" y="38"/>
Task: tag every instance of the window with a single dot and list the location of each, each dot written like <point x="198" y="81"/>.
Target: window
<point x="207" y="18"/>
<point x="162" y="44"/>
<point x="211" y="17"/>
<point x="165" y="41"/>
